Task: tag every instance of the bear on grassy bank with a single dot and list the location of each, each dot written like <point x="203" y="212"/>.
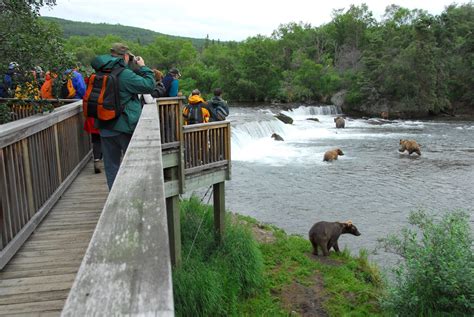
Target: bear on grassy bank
<point x="332" y="155"/>
<point x="325" y="235"/>
<point x="409" y="145"/>
<point x="340" y="122"/>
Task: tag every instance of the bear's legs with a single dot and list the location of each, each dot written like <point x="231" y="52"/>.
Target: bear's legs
<point x="325" y="248"/>
<point x="315" y="246"/>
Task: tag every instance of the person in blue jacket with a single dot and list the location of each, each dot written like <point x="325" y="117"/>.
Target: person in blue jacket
<point x="77" y="82"/>
<point x="171" y="82"/>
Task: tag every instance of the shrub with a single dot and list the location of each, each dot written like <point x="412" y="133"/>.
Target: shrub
<point x="436" y="275"/>
<point x="214" y="277"/>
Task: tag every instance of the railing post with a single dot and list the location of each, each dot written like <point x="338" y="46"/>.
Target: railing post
<point x="58" y="156"/>
<point x="28" y="177"/>
<point x="219" y="208"/>
<point x="174" y="229"/>
<point x="181" y="148"/>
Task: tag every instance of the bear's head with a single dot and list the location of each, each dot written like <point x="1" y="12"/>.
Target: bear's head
<point x="339" y="152"/>
<point x="350" y="228"/>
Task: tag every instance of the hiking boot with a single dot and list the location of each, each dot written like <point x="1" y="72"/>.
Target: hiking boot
<point x="97" y="168"/>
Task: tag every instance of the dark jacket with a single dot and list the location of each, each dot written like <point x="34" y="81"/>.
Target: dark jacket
<point x="218" y="108"/>
<point x="131" y="84"/>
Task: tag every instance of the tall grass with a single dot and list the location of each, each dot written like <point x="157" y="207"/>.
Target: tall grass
<point x="214" y="277"/>
<point x="436" y="276"/>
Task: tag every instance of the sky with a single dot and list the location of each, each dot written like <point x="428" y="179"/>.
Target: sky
<point x="223" y="20"/>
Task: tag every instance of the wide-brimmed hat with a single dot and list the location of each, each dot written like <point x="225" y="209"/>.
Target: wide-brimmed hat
<point x="120" y="49"/>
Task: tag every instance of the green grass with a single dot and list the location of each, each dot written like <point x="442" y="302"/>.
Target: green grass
<point x="214" y="277"/>
<point x="241" y="277"/>
<point x="351" y="288"/>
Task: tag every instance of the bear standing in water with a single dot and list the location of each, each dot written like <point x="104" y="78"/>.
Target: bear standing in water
<point x="340" y="122"/>
<point x="409" y="145"/>
<point x="325" y="235"/>
<point x="332" y="155"/>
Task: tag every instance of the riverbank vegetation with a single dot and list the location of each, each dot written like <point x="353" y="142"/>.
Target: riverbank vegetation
<point x="262" y="271"/>
<point x="259" y="270"/>
<point x="436" y="276"/>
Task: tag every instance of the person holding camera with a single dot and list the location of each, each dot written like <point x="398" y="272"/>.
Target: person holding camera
<point x="116" y="133"/>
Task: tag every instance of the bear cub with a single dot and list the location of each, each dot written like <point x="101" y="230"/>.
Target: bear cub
<point x="325" y="235"/>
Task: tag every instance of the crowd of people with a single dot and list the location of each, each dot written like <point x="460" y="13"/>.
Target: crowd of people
<point x="138" y="85"/>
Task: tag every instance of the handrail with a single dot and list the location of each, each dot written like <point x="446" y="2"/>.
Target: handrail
<point x="127" y="268"/>
<point x="39" y="158"/>
<point x="206" y="144"/>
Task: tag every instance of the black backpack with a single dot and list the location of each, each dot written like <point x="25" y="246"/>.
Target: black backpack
<point x="194" y="113"/>
<point x="102" y="97"/>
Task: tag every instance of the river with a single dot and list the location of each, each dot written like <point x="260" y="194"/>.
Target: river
<point x="287" y="184"/>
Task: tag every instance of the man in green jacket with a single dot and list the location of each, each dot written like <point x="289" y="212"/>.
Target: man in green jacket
<point x="116" y="134"/>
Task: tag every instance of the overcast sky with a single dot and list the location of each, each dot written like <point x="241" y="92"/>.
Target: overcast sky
<point x="224" y="20"/>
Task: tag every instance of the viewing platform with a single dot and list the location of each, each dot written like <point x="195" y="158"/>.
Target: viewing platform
<point x="67" y="245"/>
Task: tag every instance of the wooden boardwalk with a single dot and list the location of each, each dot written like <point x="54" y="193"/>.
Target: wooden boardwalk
<point x="37" y="280"/>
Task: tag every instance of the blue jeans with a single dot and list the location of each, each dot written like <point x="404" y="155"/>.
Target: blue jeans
<point x="113" y="147"/>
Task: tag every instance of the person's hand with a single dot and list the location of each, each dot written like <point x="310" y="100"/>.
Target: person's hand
<point x="139" y="60"/>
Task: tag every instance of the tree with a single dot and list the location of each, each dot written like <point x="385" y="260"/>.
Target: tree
<point x="27" y="40"/>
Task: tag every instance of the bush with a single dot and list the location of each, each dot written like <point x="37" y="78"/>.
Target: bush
<point x="214" y="277"/>
<point x="437" y="274"/>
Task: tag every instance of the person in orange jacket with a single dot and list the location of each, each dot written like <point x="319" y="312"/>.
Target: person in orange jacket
<point x="196" y="111"/>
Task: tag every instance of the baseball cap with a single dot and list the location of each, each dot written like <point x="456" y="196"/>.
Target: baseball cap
<point x="120" y="49"/>
<point x="175" y="71"/>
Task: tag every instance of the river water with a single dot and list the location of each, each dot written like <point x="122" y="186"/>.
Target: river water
<point x="287" y="184"/>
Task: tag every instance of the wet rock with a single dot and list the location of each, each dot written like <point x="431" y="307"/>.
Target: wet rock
<point x="284" y="118"/>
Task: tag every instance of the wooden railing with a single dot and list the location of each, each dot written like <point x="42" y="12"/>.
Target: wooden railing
<point x="206" y="146"/>
<point x="25" y="108"/>
<point x="127" y="267"/>
<point x="39" y="158"/>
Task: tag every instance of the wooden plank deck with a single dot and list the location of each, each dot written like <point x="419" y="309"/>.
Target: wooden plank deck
<point x="37" y="280"/>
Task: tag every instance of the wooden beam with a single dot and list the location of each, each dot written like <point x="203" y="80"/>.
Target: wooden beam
<point x="174" y="229"/>
<point x="219" y="209"/>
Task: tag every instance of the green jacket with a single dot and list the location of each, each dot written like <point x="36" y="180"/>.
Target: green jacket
<point x="131" y="84"/>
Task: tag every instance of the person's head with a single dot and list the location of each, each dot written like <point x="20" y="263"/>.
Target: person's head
<point x="13" y="65"/>
<point x="175" y="72"/>
<point x="158" y="75"/>
<point x="195" y="92"/>
<point x="121" y="50"/>
<point x="217" y="92"/>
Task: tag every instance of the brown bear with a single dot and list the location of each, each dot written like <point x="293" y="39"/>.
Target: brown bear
<point x="325" y="235"/>
<point x="277" y="137"/>
<point x="340" y="122"/>
<point x="384" y="115"/>
<point x="332" y="155"/>
<point x="409" y="145"/>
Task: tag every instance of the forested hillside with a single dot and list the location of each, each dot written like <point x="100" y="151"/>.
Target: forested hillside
<point x="129" y="33"/>
<point x="409" y="63"/>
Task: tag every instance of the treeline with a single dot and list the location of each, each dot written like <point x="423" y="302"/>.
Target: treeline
<point x="129" y="33"/>
<point x="409" y="64"/>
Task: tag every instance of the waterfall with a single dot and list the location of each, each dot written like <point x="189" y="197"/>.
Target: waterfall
<point x="251" y="136"/>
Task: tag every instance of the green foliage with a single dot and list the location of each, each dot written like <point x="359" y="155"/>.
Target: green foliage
<point x="29" y="41"/>
<point x="5" y="114"/>
<point x="215" y="277"/>
<point x="437" y="274"/>
<point x="410" y="63"/>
